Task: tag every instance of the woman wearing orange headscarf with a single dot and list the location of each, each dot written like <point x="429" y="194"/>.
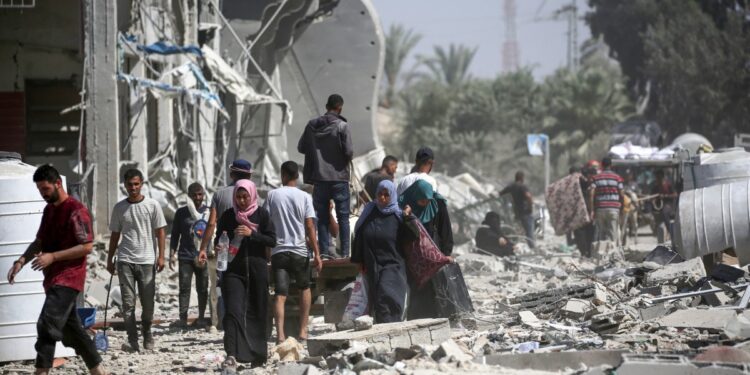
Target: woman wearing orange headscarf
<point x="244" y="285"/>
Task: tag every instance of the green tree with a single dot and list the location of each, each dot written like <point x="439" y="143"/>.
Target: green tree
<point x="399" y="42"/>
<point x="450" y="66"/>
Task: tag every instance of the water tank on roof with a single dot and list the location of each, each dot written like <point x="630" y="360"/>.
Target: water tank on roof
<point x="691" y="142"/>
<point x="21" y="209"/>
<point x="717" y="168"/>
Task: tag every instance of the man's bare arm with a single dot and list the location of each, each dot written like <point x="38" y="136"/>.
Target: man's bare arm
<point x="114" y="239"/>
<point x="210" y="228"/>
<point x="33" y="249"/>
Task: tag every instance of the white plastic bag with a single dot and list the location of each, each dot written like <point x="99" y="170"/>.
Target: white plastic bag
<point x="357" y="305"/>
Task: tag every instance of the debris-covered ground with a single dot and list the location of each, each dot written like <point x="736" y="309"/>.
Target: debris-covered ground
<point x="544" y="311"/>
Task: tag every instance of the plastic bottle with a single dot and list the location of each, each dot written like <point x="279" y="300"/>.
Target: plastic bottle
<point x="222" y="254"/>
<point x="234" y="246"/>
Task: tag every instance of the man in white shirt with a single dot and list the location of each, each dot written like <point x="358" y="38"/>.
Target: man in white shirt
<point x="293" y="216"/>
<point x="422" y="167"/>
<point x="138" y="221"/>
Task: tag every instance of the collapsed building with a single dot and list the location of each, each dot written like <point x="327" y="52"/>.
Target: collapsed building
<point x="178" y="89"/>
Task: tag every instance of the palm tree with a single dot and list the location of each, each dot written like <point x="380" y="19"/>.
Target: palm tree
<point x="398" y="43"/>
<point x="450" y="67"/>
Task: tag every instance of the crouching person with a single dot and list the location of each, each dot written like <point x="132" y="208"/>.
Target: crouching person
<point x="59" y="251"/>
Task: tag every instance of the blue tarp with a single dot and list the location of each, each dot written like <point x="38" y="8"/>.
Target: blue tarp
<point x="163" y="48"/>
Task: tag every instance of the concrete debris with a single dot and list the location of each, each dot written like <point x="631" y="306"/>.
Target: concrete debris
<point x="289" y="350"/>
<point x="363" y="323"/>
<point x="712" y="319"/>
<point x="452" y="352"/>
<point x="384" y="336"/>
<point x="527" y="320"/>
<point x="738" y="326"/>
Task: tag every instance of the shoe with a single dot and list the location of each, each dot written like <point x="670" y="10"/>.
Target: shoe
<point x="179" y="324"/>
<point x="229" y="366"/>
<point x="211" y="329"/>
<point x="148" y="341"/>
<point x="199" y="323"/>
<point x="130" y="347"/>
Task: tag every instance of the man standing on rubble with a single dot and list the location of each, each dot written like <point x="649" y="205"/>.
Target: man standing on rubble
<point x="666" y="200"/>
<point x="387" y="171"/>
<point x="222" y="200"/>
<point x="137" y="220"/>
<point x="423" y="163"/>
<point x="523" y="205"/>
<point x="606" y="199"/>
<point x="188" y="228"/>
<point x="293" y="216"/>
<point x="327" y="146"/>
<point x="62" y="243"/>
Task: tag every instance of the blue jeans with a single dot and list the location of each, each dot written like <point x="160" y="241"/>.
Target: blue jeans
<point x="527" y="222"/>
<point x="323" y="192"/>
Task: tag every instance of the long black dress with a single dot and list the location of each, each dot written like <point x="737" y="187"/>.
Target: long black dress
<point x="244" y="287"/>
<point x="377" y="246"/>
<point x="422" y="301"/>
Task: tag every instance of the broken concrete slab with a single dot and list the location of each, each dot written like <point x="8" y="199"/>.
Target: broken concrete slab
<point x="738" y="327"/>
<point x="528" y="318"/>
<point x="713" y="319"/>
<point x="680" y="274"/>
<point x="297" y="369"/>
<point x="363" y="323"/>
<point x="652" y="312"/>
<point x="723" y="354"/>
<point x="554" y="361"/>
<point x="639" y="364"/>
<point x="386" y="337"/>
<point x="578" y="309"/>
<point x="450" y="350"/>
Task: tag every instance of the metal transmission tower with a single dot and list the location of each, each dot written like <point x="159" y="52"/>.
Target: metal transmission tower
<point x="570" y="12"/>
<point x="511" y="51"/>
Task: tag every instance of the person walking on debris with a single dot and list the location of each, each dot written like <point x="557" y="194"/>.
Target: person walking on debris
<point x="664" y="204"/>
<point x="293" y="217"/>
<point x="490" y="237"/>
<point x="522" y="206"/>
<point x="136" y="220"/>
<point x="188" y="228"/>
<point x="423" y="163"/>
<point x="327" y="145"/>
<point x="606" y="199"/>
<point x="240" y="169"/>
<point x="378" y="235"/>
<point x="432" y="211"/>
<point x="63" y="241"/>
<point x="584" y="236"/>
<point x="244" y="285"/>
<point x="387" y="171"/>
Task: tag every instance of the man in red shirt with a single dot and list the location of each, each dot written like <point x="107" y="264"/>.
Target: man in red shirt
<point x="62" y="243"/>
<point x="606" y="200"/>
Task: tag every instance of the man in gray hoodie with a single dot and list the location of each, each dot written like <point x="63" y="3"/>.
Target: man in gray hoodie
<point x="327" y="146"/>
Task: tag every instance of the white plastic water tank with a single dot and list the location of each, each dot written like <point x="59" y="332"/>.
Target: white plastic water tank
<point x="21" y="209"/>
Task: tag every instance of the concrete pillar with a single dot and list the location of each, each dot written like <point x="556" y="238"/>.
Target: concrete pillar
<point x="137" y="122"/>
<point x="102" y="128"/>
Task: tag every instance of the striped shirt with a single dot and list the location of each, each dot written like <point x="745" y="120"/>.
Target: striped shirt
<point x="607" y="188"/>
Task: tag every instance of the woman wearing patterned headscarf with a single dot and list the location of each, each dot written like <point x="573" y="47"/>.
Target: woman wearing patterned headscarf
<point x="378" y="237"/>
<point x="244" y="285"/>
<point x="432" y="210"/>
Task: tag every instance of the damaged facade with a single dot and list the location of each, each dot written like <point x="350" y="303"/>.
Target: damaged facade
<point x="180" y="88"/>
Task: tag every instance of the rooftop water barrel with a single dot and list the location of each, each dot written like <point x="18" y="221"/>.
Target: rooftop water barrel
<point x="722" y="167"/>
<point x="714" y="219"/>
<point x="21" y="209"/>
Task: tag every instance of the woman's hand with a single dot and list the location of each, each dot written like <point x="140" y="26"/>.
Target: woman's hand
<point x="407" y="210"/>
<point x="243" y="231"/>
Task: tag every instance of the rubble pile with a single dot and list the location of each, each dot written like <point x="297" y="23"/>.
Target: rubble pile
<point x="543" y="311"/>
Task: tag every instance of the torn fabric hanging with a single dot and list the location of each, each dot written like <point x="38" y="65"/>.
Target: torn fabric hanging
<point x="162" y="48"/>
<point x="161" y="89"/>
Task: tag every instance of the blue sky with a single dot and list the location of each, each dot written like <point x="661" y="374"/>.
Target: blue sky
<point x="479" y="23"/>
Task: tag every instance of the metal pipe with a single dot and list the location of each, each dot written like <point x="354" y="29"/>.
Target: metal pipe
<point x="697" y="293"/>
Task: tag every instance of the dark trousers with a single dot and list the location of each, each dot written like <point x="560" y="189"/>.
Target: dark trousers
<point x="527" y="222"/>
<point x="323" y="192"/>
<point x="187" y="269"/>
<point x="59" y="321"/>
<point x="141" y="276"/>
